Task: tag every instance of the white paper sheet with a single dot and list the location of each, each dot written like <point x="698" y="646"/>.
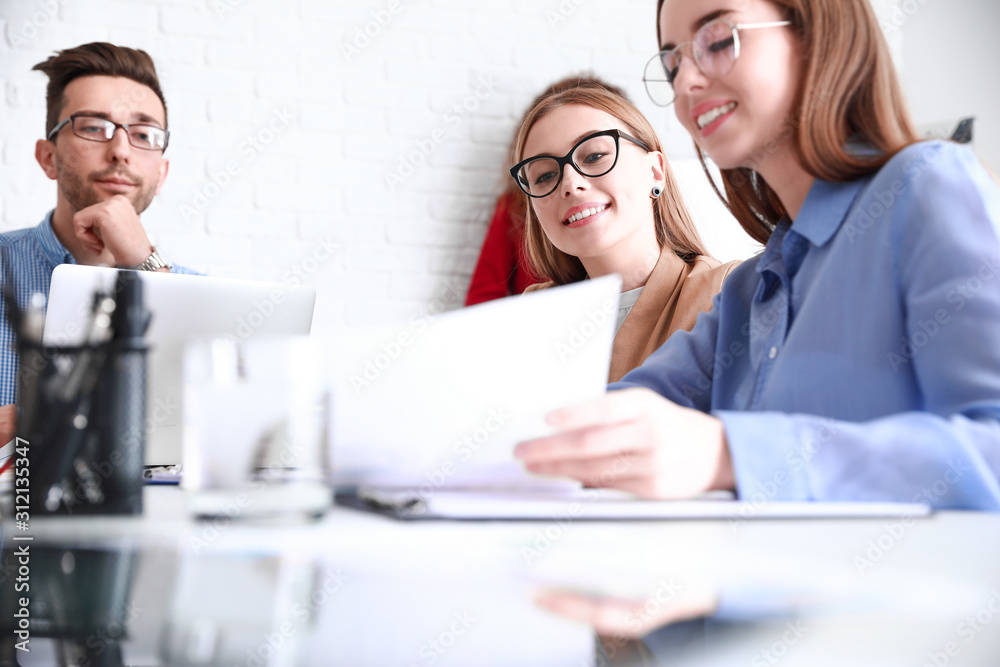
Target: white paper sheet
<point x="443" y="400"/>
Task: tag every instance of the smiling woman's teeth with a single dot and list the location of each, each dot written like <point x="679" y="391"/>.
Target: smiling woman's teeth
<point x="707" y="118"/>
<point x="584" y="214"/>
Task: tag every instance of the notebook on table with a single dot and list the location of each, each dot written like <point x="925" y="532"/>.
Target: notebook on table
<point x="182" y="306"/>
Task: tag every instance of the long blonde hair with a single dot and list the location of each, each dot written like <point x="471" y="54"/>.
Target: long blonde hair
<point x="849" y="91"/>
<point x="672" y="221"/>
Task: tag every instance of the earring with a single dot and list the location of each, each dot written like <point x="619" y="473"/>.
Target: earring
<point x="657" y="191"/>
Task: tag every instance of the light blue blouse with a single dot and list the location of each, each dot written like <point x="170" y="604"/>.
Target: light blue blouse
<point x="858" y="356"/>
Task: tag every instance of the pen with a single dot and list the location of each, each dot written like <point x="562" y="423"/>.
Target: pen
<point x="91" y="356"/>
<point x="74" y="400"/>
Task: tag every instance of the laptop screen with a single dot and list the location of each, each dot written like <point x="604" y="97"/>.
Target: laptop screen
<point x="182" y="306"/>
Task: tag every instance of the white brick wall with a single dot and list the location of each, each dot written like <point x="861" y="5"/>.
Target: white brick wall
<point x="234" y="69"/>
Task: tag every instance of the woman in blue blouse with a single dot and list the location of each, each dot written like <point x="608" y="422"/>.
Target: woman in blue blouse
<point x="858" y="356"/>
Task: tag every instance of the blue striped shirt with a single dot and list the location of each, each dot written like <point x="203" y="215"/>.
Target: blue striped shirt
<point x="858" y="356"/>
<point x="34" y="252"/>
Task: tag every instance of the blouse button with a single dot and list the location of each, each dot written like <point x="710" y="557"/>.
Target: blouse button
<point x="773" y="353"/>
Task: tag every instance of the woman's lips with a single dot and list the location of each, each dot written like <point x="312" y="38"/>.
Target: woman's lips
<point x="584" y="214"/>
<point x="709" y="116"/>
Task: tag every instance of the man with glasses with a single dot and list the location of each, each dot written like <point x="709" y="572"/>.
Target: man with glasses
<point x="105" y="137"/>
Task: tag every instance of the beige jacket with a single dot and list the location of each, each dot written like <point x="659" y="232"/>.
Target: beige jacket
<point x="671" y="300"/>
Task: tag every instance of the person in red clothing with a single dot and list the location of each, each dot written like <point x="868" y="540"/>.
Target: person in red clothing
<point x="503" y="268"/>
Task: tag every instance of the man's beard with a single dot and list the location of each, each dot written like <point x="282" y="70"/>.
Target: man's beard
<point x="81" y="192"/>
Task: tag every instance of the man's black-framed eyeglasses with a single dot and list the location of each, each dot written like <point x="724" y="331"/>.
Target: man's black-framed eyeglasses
<point x="594" y="155"/>
<point x="95" y="128"/>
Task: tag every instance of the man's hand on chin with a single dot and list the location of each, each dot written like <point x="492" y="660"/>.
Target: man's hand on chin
<point x="113" y="226"/>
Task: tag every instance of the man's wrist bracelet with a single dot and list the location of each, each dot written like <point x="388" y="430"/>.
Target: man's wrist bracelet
<point x="154" y="262"/>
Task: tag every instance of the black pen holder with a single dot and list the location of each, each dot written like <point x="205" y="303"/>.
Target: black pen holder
<point x="83" y="412"/>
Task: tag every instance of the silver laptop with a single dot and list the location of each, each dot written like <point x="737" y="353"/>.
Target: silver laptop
<point x="182" y="306"/>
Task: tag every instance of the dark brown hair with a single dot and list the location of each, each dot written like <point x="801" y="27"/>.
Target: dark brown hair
<point x="97" y="58"/>
<point x="671" y="219"/>
<point x="849" y="91"/>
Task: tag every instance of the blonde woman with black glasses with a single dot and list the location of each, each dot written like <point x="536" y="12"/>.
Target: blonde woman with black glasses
<point x="602" y="200"/>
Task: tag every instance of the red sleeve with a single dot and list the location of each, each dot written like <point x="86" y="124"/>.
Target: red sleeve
<point x="497" y="260"/>
<point x="523" y="277"/>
